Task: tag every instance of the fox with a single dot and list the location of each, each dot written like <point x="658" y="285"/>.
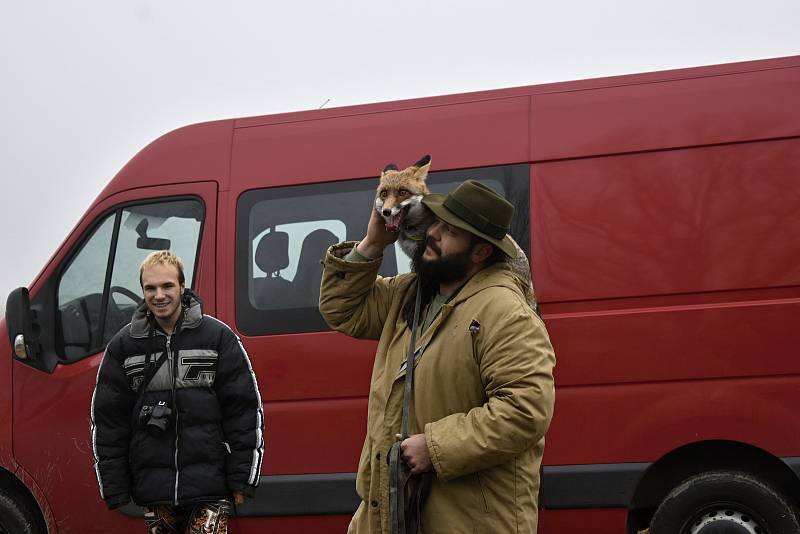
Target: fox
<point x="399" y="201"/>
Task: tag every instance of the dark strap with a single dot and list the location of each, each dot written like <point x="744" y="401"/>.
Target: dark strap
<point x="396" y="491"/>
<point x="151" y="364"/>
<point x="148" y="364"/>
<point x="417" y="502"/>
<point x="412" y="345"/>
<point x="398" y="475"/>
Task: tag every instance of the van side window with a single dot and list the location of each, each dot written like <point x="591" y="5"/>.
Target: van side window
<point x="99" y="288"/>
<point x="282" y="234"/>
<point x="286" y="267"/>
<point x="80" y="291"/>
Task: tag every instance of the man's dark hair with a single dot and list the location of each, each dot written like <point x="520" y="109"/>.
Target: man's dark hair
<point x="496" y="256"/>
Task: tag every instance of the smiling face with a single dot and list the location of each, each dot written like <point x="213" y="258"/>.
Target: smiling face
<point x="162" y="293"/>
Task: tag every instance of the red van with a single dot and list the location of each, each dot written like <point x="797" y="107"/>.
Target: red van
<point x="661" y="213"/>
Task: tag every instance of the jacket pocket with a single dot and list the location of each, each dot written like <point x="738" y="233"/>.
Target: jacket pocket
<point x="484" y="500"/>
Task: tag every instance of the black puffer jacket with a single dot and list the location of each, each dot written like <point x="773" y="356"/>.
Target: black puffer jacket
<point x="207" y="381"/>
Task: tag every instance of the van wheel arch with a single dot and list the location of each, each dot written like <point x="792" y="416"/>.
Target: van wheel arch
<point x="700" y="457"/>
<point x="19" y="507"/>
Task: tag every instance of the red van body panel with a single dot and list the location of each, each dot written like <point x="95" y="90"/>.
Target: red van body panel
<point x="675" y="113"/>
<point x="491" y="132"/>
<point x="664" y="237"/>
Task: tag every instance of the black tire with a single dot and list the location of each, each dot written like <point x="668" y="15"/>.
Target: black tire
<point x="724" y="502"/>
<point x="16" y="514"/>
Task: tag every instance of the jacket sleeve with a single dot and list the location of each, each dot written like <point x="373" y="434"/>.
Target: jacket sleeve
<point x="112" y="404"/>
<point x="516" y="363"/>
<point x="242" y="413"/>
<point x="353" y="299"/>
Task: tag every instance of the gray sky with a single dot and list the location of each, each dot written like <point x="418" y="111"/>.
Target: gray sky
<point x="86" y="84"/>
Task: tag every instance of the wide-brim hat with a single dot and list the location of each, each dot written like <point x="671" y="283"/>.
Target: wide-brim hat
<point x="478" y="209"/>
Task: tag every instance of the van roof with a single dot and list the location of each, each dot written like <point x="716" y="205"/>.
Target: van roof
<point x="202" y="151"/>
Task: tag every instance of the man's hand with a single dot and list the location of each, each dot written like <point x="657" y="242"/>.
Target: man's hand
<point x="414" y="451"/>
<point x="377" y="238"/>
<point x="238" y="497"/>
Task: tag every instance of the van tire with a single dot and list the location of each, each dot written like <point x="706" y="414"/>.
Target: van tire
<point x="711" y="501"/>
<point x="16" y="516"/>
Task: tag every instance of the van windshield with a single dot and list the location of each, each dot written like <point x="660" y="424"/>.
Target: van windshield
<point x="99" y="289"/>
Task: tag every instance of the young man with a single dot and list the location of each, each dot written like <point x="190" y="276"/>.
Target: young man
<point x="483" y="385"/>
<point x="176" y="414"/>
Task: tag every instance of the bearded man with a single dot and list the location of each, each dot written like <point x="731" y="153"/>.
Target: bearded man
<point x="483" y="376"/>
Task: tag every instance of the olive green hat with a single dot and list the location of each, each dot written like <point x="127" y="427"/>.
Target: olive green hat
<point x="477" y="209"/>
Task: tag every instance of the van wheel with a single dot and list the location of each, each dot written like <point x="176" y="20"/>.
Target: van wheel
<point x="16" y="515"/>
<point x="727" y="502"/>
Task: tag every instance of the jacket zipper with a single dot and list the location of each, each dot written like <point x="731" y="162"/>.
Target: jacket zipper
<point x="173" y="367"/>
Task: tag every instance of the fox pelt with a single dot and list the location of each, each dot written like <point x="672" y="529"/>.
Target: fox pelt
<point x="399" y="201"/>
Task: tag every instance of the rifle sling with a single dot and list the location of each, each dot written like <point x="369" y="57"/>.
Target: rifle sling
<point x="398" y="468"/>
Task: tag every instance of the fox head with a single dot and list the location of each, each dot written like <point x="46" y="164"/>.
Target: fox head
<point x="401" y="191"/>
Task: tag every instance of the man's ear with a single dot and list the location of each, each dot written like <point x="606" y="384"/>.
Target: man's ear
<point x="422" y="167"/>
<point x="481" y="252"/>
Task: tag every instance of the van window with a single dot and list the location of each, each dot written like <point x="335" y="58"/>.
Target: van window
<point x="282" y="233"/>
<point x="104" y="273"/>
<point x="291" y="248"/>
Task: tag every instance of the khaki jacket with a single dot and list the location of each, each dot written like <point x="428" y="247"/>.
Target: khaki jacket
<point x="483" y="396"/>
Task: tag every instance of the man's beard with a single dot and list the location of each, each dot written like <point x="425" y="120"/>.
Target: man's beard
<point x="442" y="270"/>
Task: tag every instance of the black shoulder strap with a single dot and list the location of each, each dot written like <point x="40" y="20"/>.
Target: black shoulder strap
<point x="151" y="366"/>
<point x="412" y="345"/>
<point x="397" y="468"/>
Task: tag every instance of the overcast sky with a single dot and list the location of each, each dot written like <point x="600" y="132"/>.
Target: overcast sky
<point x="86" y="84"/>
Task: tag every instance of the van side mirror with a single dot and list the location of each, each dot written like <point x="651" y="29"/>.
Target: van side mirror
<point x="23" y="332"/>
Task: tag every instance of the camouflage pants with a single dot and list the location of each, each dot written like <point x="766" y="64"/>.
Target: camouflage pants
<point x="200" y="518"/>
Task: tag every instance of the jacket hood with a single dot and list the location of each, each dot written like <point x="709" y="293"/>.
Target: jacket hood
<point x="192" y="314"/>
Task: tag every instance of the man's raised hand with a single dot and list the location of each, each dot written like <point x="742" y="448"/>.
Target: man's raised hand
<point x="377" y="238"/>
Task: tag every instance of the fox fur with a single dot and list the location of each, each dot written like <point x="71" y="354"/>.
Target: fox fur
<point x="399" y="201"/>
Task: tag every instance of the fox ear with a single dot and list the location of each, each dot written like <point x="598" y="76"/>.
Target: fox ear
<point x="422" y="167"/>
<point x="426" y="159"/>
<point x="389" y="167"/>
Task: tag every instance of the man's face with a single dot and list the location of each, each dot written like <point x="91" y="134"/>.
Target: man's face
<point x="162" y="291"/>
<point x="447" y="256"/>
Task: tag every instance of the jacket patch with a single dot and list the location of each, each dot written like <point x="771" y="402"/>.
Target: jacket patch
<point x="196" y="367"/>
<point x="474" y="327"/>
<point x="134" y="369"/>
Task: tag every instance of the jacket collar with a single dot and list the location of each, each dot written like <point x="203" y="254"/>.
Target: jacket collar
<point x="192" y="315"/>
<point x="499" y="274"/>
